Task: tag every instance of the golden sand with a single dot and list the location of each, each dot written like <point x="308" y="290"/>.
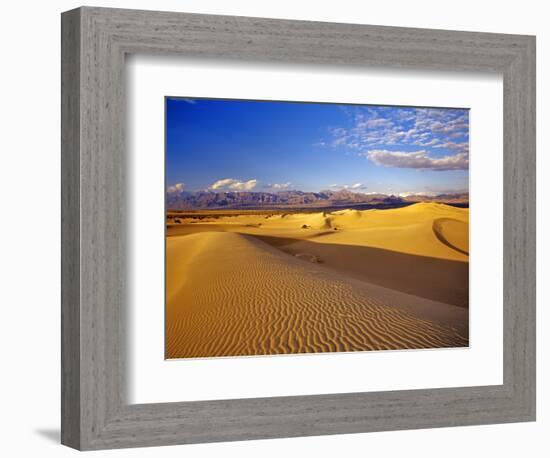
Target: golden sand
<point x="259" y="284"/>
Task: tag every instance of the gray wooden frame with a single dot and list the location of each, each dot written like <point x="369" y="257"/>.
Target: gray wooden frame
<point x="95" y="413"/>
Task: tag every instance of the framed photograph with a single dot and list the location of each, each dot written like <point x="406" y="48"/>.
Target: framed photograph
<point x="298" y="254"/>
<point x="279" y="228"/>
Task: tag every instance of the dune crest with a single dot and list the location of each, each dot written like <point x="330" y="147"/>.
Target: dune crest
<point x="452" y="233"/>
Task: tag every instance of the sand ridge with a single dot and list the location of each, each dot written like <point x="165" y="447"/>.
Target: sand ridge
<point x="451" y="232"/>
<point x="406" y="230"/>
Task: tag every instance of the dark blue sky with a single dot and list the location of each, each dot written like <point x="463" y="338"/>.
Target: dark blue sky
<point x="270" y="146"/>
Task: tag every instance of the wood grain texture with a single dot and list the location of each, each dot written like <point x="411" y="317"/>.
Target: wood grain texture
<point x="70" y="229"/>
<point x="96" y="414"/>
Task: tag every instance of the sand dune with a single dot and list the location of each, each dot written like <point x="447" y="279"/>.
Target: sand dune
<point x="441" y="280"/>
<point x="451" y="232"/>
<point x="421" y="249"/>
<point x="232" y="294"/>
<point x="405" y="230"/>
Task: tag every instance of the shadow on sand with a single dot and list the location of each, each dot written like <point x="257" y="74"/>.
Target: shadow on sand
<point x="432" y="278"/>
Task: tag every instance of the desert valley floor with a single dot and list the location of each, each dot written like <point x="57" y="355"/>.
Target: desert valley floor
<point x="264" y="283"/>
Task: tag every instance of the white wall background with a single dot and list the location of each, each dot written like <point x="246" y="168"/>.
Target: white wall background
<point x="29" y="227"/>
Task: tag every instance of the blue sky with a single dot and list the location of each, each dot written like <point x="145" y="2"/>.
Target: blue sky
<point x="240" y="145"/>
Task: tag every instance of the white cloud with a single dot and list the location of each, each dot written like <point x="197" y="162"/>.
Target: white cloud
<point x="355" y="186"/>
<point x="178" y="187"/>
<point x="462" y="147"/>
<point x="432" y="142"/>
<point x="279" y="185"/>
<point x="416" y="193"/>
<point x="230" y="184"/>
<point x="375" y="128"/>
<point x="418" y="160"/>
<point x="377" y="123"/>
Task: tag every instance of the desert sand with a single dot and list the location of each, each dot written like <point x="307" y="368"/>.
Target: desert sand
<point x="261" y="283"/>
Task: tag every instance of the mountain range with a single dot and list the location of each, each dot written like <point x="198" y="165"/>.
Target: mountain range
<point x="185" y="200"/>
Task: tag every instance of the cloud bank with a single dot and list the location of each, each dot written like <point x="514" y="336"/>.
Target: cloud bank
<point x="418" y="160"/>
<point x="230" y="184"/>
